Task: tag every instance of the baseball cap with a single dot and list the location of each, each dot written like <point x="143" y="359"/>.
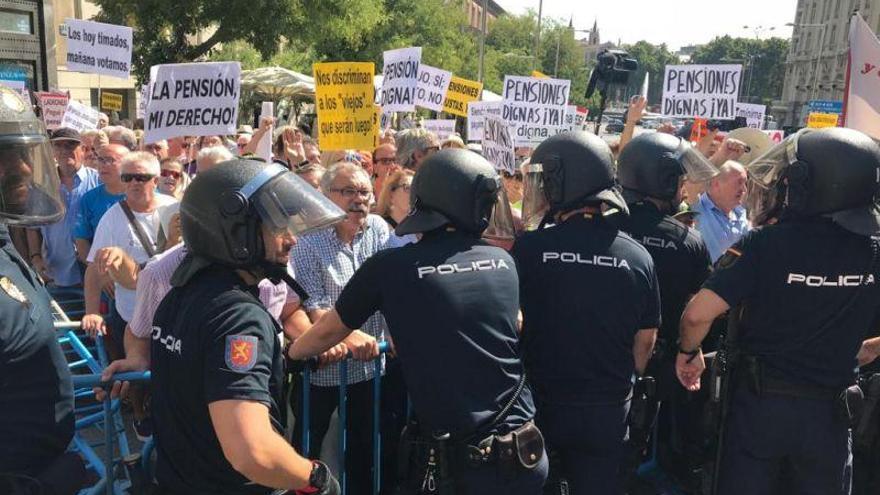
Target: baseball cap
<point x="65" y="134"/>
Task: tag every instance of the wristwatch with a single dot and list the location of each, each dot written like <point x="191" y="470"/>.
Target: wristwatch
<point x="690" y="354"/>
<point x="318" y="479"/>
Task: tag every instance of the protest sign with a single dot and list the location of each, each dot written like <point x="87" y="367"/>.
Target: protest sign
<point x="498" y="145"/>
<point x="52" y="108"/>
<point x="264" y="147"/>
<point x="776" y="136"/>
<point x="80" y="117"/>
<point x="347" y="118"/>
<point x="707" y="91"/>
<point x="540" y="75"/>
<point x="196" y="99"/>
<point x="441" y="128"/>
<point x="98" y="48"/>
<point x="432" y="86"/>
<point x="476" y="114"/>
<point x="142" y="102"/>
<point x="400" y="77"/>
<point x="460" y="93"/>
<point x="754" y="114"/>
<point x="818" y="120"/>
<point x="575" y="118"/>
<point x="111" y="101"/>
<point x="535" y="108"/>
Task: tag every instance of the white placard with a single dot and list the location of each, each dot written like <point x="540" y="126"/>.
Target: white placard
<point x="80" y="117"/>
<point x="754" y="114"/>
<point x="498" y="144"/>
<point x="53" y="105"/>
<point x="98" y="48"/>
<point x="534" y="107"/>
<point x="432" y="86"/>
<point x="776" y="136"/>
<point x="576" y="118"/>
<point x="477" y="112"/>
<point x="400" y="77"/>
<point x="705" y="91"/>
<point x="197" y="99"/>
<point x="264" y="147"/>
<point x="441" y="128"/>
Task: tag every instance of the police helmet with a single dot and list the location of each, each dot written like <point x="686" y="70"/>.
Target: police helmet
<point x="577" y="169"/>
<point x="651" y="165"/>
<point x="223" y="209"/>
<point x="29" y="184"/>
<point x="452" y="186"/>
<point x="833" y="172"/>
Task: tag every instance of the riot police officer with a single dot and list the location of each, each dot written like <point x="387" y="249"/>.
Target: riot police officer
<point x="36" y="393"/>
<point x="802" y="291"/>
<point x="591" y="308"/>
<point x="216" y="359"/>
<point x="653" y="169"/>
<point x="451" y="308"/>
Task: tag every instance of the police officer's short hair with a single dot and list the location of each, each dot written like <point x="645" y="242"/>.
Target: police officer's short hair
<point x="142" y="158"/>
<point x="334" y="170"/>
<point x="411" y="140"/>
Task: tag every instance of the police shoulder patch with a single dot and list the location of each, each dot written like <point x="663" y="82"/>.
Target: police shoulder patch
<point x="241" y="352"/>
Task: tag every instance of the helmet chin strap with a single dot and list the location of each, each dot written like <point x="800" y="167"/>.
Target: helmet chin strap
<point x="277" y="272"/>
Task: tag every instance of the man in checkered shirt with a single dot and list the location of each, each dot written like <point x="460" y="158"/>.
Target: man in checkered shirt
<point x="324" y="261"/>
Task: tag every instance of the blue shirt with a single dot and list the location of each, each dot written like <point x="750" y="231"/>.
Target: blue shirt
<point x="720" y="230"/>
<point x="92" y="207"/>
<point x="58" y="248"/>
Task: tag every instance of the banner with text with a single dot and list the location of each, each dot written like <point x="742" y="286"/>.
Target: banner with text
<point x="754" y="114"/>
<point x="441" y="128"/>
<point x="80" y="117"/>
<point x="776" y="136"/>
<point x="98" y="48"/>
<point x="498" y="145"/>
<point x="576" y="118"/>
<point x="347" y="117"/>
<point x="196" y="99"/>
<point x="535" y="108"/>
<point x="400" y="77"/>
<point x="706" y="91"/>
<point x="477" y="111"/>
<point x="460" y="93"/>
<point x="52" y="107"/>
<point x="432" y="86"/>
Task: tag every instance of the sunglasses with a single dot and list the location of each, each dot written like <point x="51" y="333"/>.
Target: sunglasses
<point x="137" y="177"/>
<point x="171" y="173"/>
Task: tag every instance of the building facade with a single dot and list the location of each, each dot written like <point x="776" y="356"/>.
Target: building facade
<point x="815" y="68"/>
<point x="27" y="44"/>
<point x="474" y="11"/>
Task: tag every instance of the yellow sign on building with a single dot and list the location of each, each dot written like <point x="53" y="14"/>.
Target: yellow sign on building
<point x="111" y="101"/>
<point x="818" y="120"/>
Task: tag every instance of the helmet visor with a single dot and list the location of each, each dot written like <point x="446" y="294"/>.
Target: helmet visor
<point x="501" y="222"/>
<point x="695" y="165"/>
<point x="29" y="183"/>
<point x="535" y="204"/>
<point x="763" y="200"/>
<point x="289" y="203"/>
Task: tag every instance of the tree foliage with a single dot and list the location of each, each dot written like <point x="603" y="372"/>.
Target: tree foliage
<point x="763" y="61"/>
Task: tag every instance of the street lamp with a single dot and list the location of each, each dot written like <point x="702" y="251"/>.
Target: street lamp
<point x="818" y="57"/>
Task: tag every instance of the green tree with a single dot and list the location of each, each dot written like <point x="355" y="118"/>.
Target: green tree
<point x="763" y="64"/>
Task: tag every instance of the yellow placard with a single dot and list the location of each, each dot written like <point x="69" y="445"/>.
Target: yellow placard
<point x="460" y="93"/>
<point x="539" y="74"/>
<point x="111" y="101"/>
<point x="818" y="120"/>
<point x="347" y="117"/>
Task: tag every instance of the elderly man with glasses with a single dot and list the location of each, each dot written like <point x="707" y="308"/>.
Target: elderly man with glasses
<point x="324" y="261"/>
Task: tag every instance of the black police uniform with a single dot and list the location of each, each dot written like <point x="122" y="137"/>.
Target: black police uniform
<point x="809" y="293"/>
<point x="682" y="263"/>
<point x="36" y="392"/>
<point x="451" y="310"/>
<point x="586" y="290"/>
<point x="212" y="340"/>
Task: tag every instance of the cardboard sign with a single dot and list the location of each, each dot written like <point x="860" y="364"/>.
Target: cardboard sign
<point x="441" y="128"/>
<point x="460" y="93"/>
<point x="576" y="118"/>
<point x="196" y="99"/>
<point x="754" y="114"/>
<point x="819" y="120"/>
<point x="347" y="118"/>
<point x="111" y="101"/>
<point x="535" y="108"/>
<point x="477" y="111"/>
<point x="776" y="136"/>
<point x="432" y="86"/>
<point x="98" y="48"/>
<point x="400" y="77"/>
<point x="80" y="117"/>
<point x="498" y="145"/>
<point x="706" y="91"/>
<point x="52" y="108"/>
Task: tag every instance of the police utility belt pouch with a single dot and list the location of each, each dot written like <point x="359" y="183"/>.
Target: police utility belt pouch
<point x="522" y="448"/>
<point x="866" y="429"/>
<point x="142" y="236"/>
<point x="424" y="466"/>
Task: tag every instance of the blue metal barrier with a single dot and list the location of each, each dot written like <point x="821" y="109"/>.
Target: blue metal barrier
<point x="343" y="416"/>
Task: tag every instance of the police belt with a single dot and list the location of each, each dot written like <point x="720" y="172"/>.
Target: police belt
<point x="752" y="370"/>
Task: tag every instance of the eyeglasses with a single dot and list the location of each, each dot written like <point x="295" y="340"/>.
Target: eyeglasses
<point x="350" y="192"/>
<point x="137" y="177"/>
<point x="405" y="187"/>
<point x="386" y="161"/>
<point x="108" y="160"/>
<point x="171" y="173"/>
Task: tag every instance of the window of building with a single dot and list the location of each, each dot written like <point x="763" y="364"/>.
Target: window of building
<point x="833" y="38"/>
<point x="18" y="70"/>
<point x="12" y="21"/>
<point x="813" y="12"/>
